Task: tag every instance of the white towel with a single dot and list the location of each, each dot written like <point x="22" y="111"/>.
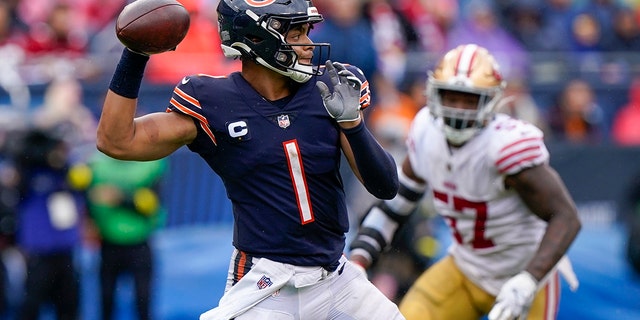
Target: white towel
<point x="566" y="270"/>
<point x="264" y="279"/>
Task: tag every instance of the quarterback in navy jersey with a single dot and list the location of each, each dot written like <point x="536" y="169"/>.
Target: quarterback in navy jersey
<point x="275" y="133"/>
<point x="279" y="163"/>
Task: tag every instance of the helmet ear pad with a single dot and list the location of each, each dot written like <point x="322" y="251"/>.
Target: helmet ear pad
<point x="271" y="45"/>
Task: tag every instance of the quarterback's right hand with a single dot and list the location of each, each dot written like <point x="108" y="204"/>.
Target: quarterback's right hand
<point x="344" y="103"/>
<point x="138" y="52"/>
<point x="515" y="298"/>
<point x="148" y="54"/>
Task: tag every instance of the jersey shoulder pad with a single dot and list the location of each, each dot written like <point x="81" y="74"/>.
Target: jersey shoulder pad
<point x="515" y="144"/>
<point x="184" y="98"/>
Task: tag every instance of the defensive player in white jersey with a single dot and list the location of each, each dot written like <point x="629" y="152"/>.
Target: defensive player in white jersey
<point x="509" y="212"/>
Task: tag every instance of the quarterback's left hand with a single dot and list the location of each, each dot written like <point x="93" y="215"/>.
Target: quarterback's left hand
<point x="344" y="103"/>
<point x="515" y="298"/>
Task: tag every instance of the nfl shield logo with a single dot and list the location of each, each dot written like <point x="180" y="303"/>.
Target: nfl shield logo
<point x="283" y="121"/>
<point x="264" y="282"/>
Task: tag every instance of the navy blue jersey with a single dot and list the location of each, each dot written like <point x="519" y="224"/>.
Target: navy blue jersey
<point x="279" y="163"/>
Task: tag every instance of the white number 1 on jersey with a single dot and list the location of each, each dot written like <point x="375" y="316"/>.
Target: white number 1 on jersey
<point x="296" y="171"/>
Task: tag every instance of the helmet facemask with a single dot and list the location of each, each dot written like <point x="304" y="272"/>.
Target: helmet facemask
<point x="478" y="83"/>
<point x="261" y="37"/>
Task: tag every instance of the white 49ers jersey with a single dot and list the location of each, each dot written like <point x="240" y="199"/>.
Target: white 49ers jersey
<point x="494" y="233"/>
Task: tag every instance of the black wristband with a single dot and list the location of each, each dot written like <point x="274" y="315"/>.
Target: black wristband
<point x="127" y="78"/>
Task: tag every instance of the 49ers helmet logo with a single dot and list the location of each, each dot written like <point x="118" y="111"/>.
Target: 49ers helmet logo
<point x="259" y="3"/>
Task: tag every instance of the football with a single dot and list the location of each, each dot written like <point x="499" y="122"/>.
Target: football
<point x="152" y="26"/>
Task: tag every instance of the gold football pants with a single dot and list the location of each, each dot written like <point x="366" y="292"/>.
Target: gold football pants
<point x="442" y="292"/>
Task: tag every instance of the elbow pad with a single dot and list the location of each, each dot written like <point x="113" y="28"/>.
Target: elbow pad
<point x="383" y="219"/>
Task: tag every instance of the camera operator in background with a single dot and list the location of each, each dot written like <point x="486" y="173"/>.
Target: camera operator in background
<point x="123" y="203"/>
<point x="49" y="219"/>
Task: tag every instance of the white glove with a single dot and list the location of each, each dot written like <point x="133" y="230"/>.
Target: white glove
<point x="515" y="298"/>
<point x="344" y="103"/>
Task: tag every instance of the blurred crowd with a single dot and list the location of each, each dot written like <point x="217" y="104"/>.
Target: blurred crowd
<point x="570" y="64"/>
<point x="572" y="69"/>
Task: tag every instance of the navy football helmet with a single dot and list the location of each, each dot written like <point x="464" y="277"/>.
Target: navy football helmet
<point x="256" y="29"/>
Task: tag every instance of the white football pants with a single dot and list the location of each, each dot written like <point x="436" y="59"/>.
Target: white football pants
<point x="277" y="291"/>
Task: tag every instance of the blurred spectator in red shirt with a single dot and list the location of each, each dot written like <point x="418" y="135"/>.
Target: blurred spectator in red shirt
<point x="97" y="15"/>
<point x="626" y="123"/>
<point x="199" y="52"/>
<point x="57" y="34"/>
<point x="57" y="45"/>
<point x="432" y="20"/>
